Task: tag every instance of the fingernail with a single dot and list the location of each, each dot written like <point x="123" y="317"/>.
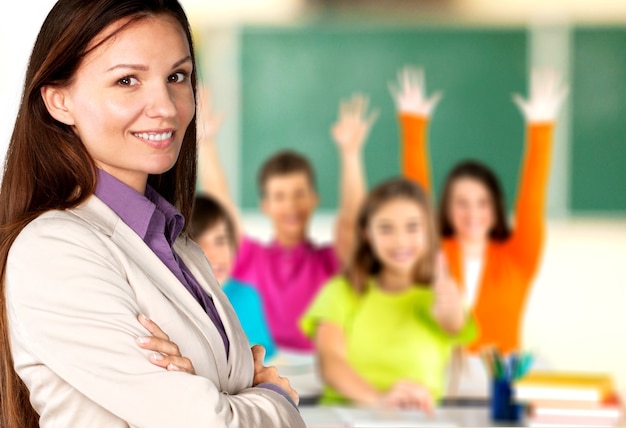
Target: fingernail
<point x="173" y="367"/>
<point x="157" y="357"/>
<point x="145" y="317"/>
<point x="143" y="340"/>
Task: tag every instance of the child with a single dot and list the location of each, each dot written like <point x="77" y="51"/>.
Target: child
<point x="384" y="331"/>
<point x="289" y="271"/>
<point x="214" y="231"/>
<point x="494" y="265"/>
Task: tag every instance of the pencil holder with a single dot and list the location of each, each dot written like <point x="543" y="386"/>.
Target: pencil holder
<point x="503" y="408"/>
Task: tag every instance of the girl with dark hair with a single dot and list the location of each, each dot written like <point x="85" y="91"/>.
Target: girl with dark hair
<point x="385" y="329"/>
<point x="493" y="264"/>
<point x="98" y="182"/>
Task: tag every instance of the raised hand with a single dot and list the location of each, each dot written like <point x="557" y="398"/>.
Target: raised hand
<point x="409" y="93"/>
<point x="207" y="121"/>
<point x="547" y="93"/>
<point x="448" y="306"/>
<point x="354" y="123"/>
<point x="407" y="394"/>
<point x="166" y="353"/>
<point x="263" y="374"/>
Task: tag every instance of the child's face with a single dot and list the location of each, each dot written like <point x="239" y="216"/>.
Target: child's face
<point x="397" y="233"/>
<point x="289" y="201"/>
<point x="216" y="244"/>
<point x="471" y="210"/>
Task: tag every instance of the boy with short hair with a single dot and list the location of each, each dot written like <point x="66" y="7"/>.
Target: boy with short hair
<point x="289" y="271"/>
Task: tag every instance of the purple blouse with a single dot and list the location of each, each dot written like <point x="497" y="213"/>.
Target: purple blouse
<point x="158" y="223"/>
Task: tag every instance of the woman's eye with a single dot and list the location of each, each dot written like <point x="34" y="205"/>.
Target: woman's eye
<point x="128" y="81"/>
<point x="177" y="77"/>
<point x="385" y="230"/>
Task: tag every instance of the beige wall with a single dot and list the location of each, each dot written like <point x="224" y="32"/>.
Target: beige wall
<point x="520" y="10"/>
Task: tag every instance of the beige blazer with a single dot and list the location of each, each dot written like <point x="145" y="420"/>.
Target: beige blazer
<point x="75" y="282"/>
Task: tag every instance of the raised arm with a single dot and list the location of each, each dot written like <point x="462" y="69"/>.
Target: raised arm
<point x="349" y="133"/>
<point x="212" y="178"/>
<point x="546" y="96"/>
<point x="414" y="110"/>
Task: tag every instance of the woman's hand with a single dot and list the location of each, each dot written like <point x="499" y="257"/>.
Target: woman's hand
<point x="448" y="306"/>
<point x="354" y="124"/>
<point x="409" y="93"/>
<point x="547" y="93"/>
<point x="263" y="374"/>
<point x="166" y="353"/>
<point x="407" y="394"/>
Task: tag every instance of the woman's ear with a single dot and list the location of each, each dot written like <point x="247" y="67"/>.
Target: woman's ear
<point x="57" y="103"/>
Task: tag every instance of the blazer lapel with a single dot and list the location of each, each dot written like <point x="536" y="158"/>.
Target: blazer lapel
<point x="97" y="213"/>
<point x="193" y="257"/>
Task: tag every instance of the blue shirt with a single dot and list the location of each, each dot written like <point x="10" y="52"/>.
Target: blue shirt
<point x="249" y="308"/>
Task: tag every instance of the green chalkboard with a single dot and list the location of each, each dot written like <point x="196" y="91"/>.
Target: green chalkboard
<point x="292" y="79"/>
<point x="598" y="173"/>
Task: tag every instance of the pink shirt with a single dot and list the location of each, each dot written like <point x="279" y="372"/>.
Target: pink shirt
<point x="287" y="280"/>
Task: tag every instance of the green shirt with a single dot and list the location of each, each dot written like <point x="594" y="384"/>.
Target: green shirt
<point x="390" y="336"/>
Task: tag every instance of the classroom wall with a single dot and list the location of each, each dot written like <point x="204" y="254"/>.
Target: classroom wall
<point x="576" y="313"/>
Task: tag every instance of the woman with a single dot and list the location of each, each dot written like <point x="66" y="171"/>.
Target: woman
<point x="494" y="264"/>
<point x="100" y="166"/>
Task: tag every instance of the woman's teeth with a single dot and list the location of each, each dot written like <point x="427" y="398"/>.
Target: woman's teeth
<point x="154" y="137"/>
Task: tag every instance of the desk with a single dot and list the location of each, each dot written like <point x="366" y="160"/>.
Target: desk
<point x="447" y="416"/>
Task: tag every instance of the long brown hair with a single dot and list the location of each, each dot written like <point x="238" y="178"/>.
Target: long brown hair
<point x="484" y="175"/>
<point x="365" y="263"/>
<point x="47" y="167"/>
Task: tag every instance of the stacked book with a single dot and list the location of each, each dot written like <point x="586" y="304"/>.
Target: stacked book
<point x="569" y="399"/>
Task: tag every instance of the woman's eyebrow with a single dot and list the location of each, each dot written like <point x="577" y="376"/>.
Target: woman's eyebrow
<point x="142" y="67"/>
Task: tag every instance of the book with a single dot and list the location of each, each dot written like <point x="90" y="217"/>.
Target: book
<point x="613" y="411"/>
<point x="571" y="413"/>
<point x="532" y="423"/>
<point x="584" y="387"/>
<point x="589" y="421"/>
<point x="612" y="401"/>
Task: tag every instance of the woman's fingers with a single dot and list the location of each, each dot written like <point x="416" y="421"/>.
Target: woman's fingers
<point x="152" y="327"/>
<point x="165" y="353"/>
<point x="159" y="345"/>
<point x="258" y="355"/>
<point x="270" y="375"/>
<point x="172" y="363"/>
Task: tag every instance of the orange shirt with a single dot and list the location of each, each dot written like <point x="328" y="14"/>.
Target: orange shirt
<point x="509" y="267"/>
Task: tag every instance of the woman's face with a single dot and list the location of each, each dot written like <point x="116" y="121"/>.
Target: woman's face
<point x="216" y="243"/>
<point x="397" y="232"/>
<point x="131" y="99"/>
<point x="470" y="210"/>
